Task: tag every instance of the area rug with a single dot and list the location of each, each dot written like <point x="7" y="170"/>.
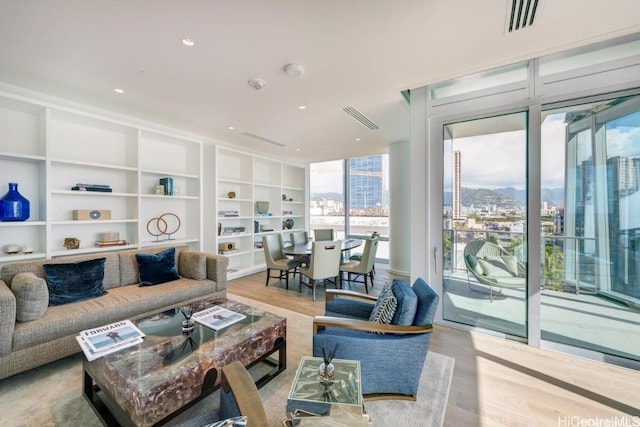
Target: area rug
<point x="52" y="395"/>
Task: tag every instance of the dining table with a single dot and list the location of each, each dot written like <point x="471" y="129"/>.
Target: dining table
<point x="305" y="248"/>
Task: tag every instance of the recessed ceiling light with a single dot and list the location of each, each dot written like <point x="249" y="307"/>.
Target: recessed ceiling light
<point x="188" y="42"/>
<point x="302" y="107"/>
<point x="119" y="90"/>
<point x="297" y="149"/>
<point x="357" y="139"/>
<point x="231" y="128"/>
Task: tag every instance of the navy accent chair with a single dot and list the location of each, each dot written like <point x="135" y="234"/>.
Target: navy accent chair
<point x="391" y="355"/>
<point x="239" y="396"/>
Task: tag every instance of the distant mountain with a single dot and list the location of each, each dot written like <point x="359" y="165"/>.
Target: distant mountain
<point x="553" y="196"/>
<point x="483" y="197"/>
<point x="504" y="197"/>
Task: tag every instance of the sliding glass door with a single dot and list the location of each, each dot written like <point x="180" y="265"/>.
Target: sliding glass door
<point x="484" y="223"/>
<point x="591" y="268"/>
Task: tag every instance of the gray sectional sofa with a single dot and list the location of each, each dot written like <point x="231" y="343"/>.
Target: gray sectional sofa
<point x="27" y="341"/>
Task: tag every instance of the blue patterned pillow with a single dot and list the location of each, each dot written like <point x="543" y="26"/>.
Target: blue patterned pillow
<point x="157" y="268"/>
<point x="385" y="306"/>
<point x="75" y="281"/>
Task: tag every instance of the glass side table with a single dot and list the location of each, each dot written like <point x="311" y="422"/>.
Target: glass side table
<point x="339" y="398"/>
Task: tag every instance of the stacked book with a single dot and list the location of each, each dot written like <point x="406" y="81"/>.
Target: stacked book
<point x="233" y="230"/>
<point x="228" y="213"/>
<point x="98" y="342"/>
<point x="217" y="317"/>
<point x="92" y="187"/>
<point x="110" y="239"/>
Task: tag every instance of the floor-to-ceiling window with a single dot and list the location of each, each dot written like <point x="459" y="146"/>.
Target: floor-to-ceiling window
<point x="368" y="179"/>
<point x="539" y="162"/>
<point x="591" y="194"/>
<point x="484" y="214"/>
<point x="362" y="185"/>
<point x="327" y="201"/>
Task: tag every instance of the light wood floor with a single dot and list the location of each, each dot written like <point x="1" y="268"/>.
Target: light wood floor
<point x="496" y="382"/>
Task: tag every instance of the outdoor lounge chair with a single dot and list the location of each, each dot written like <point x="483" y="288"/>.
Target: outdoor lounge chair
<point x="494" y="266"/>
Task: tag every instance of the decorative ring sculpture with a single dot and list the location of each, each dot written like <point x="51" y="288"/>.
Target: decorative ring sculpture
<point x="162" y="226"/>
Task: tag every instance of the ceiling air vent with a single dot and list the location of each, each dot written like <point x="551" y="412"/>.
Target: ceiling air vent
<point x="263" y="139"/>
<point x="521" y="14"/>
<point x="364" y="121"/>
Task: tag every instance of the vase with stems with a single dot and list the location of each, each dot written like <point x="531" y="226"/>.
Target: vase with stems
<point x="327" y="370"/>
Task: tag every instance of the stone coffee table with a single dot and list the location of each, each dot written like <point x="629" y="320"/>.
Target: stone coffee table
<point x="150" y="383"/>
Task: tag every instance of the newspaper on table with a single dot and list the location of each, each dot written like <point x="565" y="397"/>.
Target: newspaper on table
<point x="90" y="354"/>
<point x="112" y="335"/>
<point x="217" y="317"/>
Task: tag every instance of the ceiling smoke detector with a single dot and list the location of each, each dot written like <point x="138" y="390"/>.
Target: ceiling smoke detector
<point x="257" y="84"/>
<point x="294" y="70"/>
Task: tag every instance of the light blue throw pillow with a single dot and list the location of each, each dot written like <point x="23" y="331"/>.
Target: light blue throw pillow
<point x="407" y="303"/>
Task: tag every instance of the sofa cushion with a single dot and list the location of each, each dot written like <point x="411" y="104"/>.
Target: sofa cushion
<point x="111" y="267"/>
<point x="407" y="303"/>
<point x="385" y="306"/>
<point x="511" y="262"/>
<point x="473" y="264"/>
<point x="193" y="265"/>
<point x="32" y="296"/>
<point x="427" y="303"/>
<point x="494" y="267"/>
<point x="124" y="302"/>
<point x="157" y="268"/>
<point x="70" y="282"/>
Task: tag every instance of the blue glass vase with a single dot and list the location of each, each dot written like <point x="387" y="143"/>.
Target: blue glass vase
<point x="13" y="206"/>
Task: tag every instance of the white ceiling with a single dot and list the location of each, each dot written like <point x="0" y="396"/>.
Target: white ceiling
<point x="359" y="53"/>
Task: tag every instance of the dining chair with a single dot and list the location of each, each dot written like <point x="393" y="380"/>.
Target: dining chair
<point x="276" y="260"/>
<point x="324" y="265"/>
<point x="364" y="267"/>
<point x="321" y="234"/>
<point x="358" y="257"/>
<point x="298" y="238"/>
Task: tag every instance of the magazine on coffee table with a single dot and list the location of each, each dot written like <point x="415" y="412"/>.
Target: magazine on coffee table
<point x="91" y="355"/>
<point x="111" y="335"/>
<point x="217" y="318"/>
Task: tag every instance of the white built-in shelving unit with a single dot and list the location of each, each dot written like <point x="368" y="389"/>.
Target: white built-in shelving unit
<point x="253" y="178"/>
<point x="47" y="150"/>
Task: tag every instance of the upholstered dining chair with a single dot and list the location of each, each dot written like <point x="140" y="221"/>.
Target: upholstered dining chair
<point x="358" y="257"/>
<point x="364" y="267"/>
<point x="320" y="234"/>
<point x="298" y="238"/>
<point x="276" y="260"/>
<point x="239" y="396"/>
<point x="390" y="335"/>
<point x="324" y="264"/>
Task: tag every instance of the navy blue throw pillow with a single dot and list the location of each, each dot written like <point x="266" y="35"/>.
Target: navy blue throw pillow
<point x="157" y="268"/>
<point x="74" y="281"/>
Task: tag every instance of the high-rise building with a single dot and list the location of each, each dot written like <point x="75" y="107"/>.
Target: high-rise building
<point x="457" y="172"/>
<point x="365" y="180"/>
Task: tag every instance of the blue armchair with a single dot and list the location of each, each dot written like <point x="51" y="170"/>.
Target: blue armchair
<point x="392" y="354"/>
<point x="239" y="398"/>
